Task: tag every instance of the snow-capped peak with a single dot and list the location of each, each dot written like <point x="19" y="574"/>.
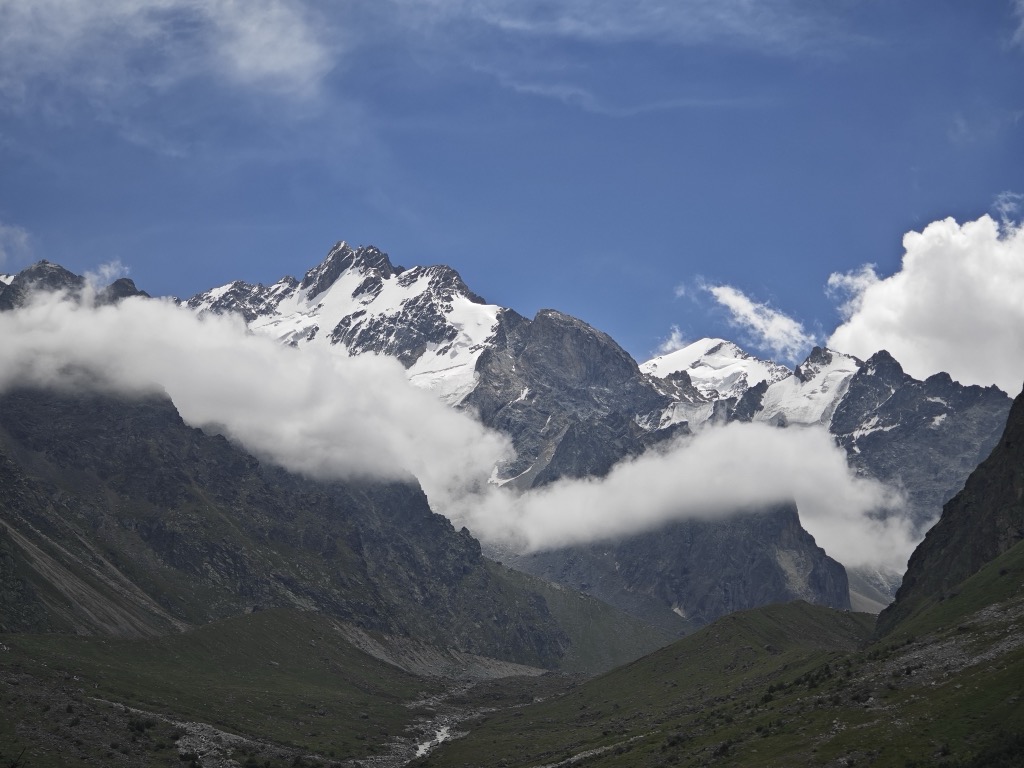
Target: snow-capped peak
<point x="718" y="368"/>
<point x="357" y="301"/>
<point x="811" y="394"/>
<point x="6" y="279"/>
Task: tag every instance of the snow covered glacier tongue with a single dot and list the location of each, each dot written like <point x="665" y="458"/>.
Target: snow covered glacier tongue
<point x="357" y="300"/>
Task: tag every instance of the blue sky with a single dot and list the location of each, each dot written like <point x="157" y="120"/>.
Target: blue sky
<point x="623" y="162"/>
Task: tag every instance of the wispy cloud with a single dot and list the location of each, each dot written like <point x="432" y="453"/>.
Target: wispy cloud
<point x="675" y="340"/>
<point x="107" y="47"/>
<point x="577" y="96"/>
<point x="849" y="288"/>
<point x="982" y="127"/>
<point x="15" y="245"/>
<point x="768" y="328"/>
<point x="1018" y="11"/>
<point x="106" y="273"/>
<point x="1009" y="206"/>
<point x="775" y="26"/>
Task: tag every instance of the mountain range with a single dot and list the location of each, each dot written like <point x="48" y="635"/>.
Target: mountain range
<point x="574" y="404"/>
<point x="168" y="598"/>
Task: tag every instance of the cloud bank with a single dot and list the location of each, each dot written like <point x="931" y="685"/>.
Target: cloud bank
<point x="956" y="305"/>
<point x="721" y="470"/>
<point x="318" y="414"/>
<point x="331" y="416"/>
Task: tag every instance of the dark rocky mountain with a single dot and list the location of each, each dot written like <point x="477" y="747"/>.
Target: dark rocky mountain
<point x="573" y="402"/>
<point x="981" y="522"/>
<point x="924" y="437"/>
<point x="700" y="570"/>
<point x="47" y="276"/>
<point x="119" y="519"/>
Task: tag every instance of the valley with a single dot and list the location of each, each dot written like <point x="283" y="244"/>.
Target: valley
<point x="168" y="597"/>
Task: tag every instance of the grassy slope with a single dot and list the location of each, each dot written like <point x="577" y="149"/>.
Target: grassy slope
<point x="601" y="637"/>
<point x="281" y="676"/>
<point x="795" y="685"/>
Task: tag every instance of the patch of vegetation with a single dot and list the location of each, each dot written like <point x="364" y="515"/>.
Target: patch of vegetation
<point x="280" y="677"/>
<point x="792" y="685"/>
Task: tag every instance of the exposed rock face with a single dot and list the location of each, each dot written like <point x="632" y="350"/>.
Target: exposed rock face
<point x="572" y="400"/>
<point x="981" y="522"/>
<point x="690" y="573"/>
<point x="118" y="518"/>
<point x="924" y="437"/>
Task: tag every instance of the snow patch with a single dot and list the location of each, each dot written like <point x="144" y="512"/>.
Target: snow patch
<point x="813" y="401"/>
<point x="718" y="369"/>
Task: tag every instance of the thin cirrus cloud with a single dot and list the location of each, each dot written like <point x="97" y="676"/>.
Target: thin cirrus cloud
<point x="588" y="101"/>
<point x="332" y="416"/>
<point x="775" y="26"/>
<point x="105" y="48"/>
<point x="956" y="304"/>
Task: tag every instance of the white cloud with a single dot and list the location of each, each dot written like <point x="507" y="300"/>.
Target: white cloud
<point x="777" y="26"/>
<point x="106" y="273"/>
<point x="103" y="48"/>
<point x="956" y="305"/>
<point x="719" y="471"/>
<point x="849" y="288"/>
<point x="675" y="340"/>
<point x="1018" y="11"/>
<point x="312" y="412"/>
<point x="1008" y="206"/>
<point x="331" y="416"/>
<point x="769" y="328"/>
<point x="15" y="245"/>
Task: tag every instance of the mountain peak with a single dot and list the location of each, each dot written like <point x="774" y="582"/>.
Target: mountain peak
<point x="718" y="368"/>
<point x="342" y="258"/>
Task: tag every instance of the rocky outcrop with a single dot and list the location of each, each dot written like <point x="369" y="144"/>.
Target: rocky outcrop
<point x="981" y="522"/>
<point x="923" y="437"/>
<point x="572" y="400"/>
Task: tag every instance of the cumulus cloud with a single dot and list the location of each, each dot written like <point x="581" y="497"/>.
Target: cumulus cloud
<point x="956" y="305"/>
<point x="331" y="416"/>
<point x="769" y="328"/>
<point x="15" y="245"/>
<point x="104" y="47"/>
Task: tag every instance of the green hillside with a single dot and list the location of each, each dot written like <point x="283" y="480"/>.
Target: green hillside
<point x="794" y="685"/>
